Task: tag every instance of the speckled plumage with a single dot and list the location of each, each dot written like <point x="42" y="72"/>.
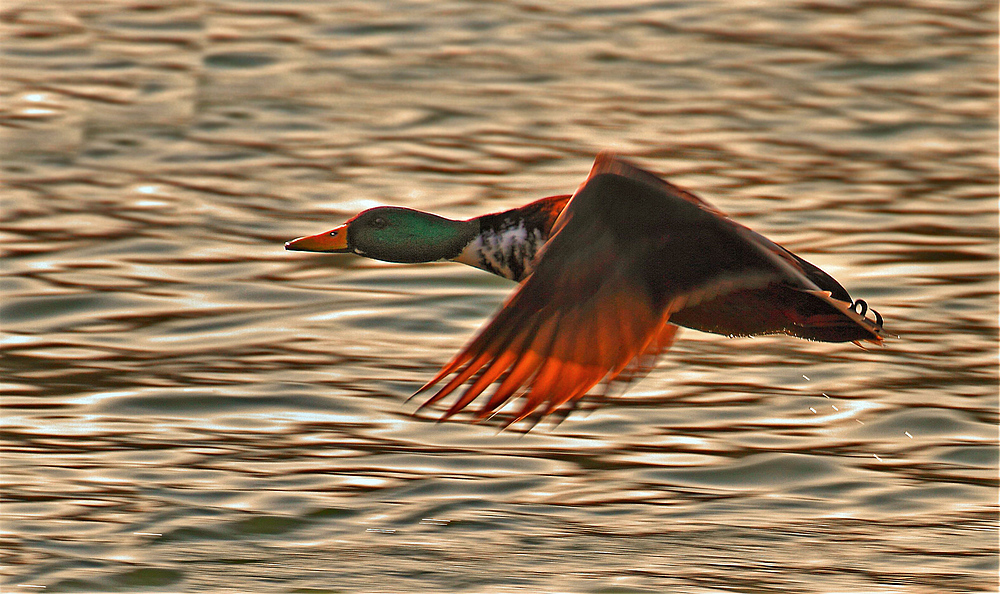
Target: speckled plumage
<point x="508" y="241"/>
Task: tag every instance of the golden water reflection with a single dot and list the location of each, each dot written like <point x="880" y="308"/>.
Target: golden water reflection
<point x="186" y="406"/>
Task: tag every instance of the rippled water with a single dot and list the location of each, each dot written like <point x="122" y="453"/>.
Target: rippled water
<point x="188" y="407"/>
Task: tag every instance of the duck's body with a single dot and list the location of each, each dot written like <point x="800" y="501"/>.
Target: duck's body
<point x="608" y="275"/>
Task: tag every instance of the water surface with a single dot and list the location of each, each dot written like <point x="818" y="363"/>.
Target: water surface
<point x="188" y="407"/>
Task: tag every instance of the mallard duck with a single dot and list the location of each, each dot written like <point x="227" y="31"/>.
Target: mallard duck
<point x="607" y="276"/>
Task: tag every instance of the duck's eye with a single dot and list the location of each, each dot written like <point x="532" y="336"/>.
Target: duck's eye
<point x="333" y="233"/>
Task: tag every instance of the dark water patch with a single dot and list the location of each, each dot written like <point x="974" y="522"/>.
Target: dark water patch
<point x="331" y="513"/>
<point x="752" y="472"/>
<point x="878" y="68"/>
<point x="265" y="525"/>
<point x="145" y="577"/>
<point x="234" y="60"/>
<point x="982" y="456"/>
<point x="166" y="403"/>
<point x="376" y="29"/>
<point x="50" y="306"/>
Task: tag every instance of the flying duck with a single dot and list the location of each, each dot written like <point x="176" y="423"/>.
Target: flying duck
<point x="607" y="276"/>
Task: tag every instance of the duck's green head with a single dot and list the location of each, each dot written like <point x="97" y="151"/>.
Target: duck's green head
<point x="392" y="234"/>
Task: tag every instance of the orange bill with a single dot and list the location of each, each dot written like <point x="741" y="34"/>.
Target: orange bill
<point x="333" y="241"/>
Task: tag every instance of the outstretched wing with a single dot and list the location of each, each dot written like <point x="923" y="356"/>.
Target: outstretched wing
<point x="628" y="251"/>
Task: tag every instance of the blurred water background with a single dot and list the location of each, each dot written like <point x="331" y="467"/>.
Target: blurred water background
<point x="188" y="407"/>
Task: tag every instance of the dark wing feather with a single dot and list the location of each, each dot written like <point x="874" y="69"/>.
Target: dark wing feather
<point x="808" y="304"/>
<point x="627" y="252"/>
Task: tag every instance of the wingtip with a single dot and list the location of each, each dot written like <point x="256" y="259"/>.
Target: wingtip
<point x="445" y="372"/>
<point x="420" y="391"/>
<point x="878" y="334"/>
<point x="609" y="161"/>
